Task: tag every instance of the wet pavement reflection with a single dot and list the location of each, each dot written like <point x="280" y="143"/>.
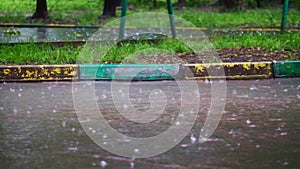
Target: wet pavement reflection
<point x="259" y="128"/>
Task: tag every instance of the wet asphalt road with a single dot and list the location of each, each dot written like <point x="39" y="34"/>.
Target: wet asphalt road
<point x="260" y="127"/>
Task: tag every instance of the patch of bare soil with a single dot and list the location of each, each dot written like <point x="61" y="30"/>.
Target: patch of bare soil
<point x="243" y="54"/>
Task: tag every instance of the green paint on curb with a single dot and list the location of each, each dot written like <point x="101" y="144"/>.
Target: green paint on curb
<point x="128" y="72"/>
<point x="286" y="68"/>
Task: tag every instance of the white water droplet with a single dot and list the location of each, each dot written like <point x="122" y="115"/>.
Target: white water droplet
<point x="19" y="95"/>
<point x="104" y="96"/>
<point x="104" y="136"/>
<point x="72" y="148"/>
<point x="136" y="150"/>
<point x="131" y="164"/>
<point x="64" y="124"/>
<point x="73" y="129"/>
<point x="248" y="121"/>
<point x="12" y="90"/>
<point x="125" y="106"/>
<point x="103" y="164"/>
<point x="28" y="112"/>
<point x="286" y="90"/>
<point x="253" y="88"/>
<point x="193" y="139"/>
<point x="283" y="134"/>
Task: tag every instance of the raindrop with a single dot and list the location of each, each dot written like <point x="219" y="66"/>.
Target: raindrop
<point x="248" y="121"/>
<point x="94" y="131"/>
<point x="96" y="156"/>
<point x="103" y="164"/>
<point x="193" y="139"/>
<point x="298" y="96"/>
<point x="15" y="110"/>
<point x="12" y="90"/>
<point x="63" y="124"/>
<point x="131" y="164"/>
<point x="285" y="163"/>
<point x="257" y="146"/>
<point x="253" y="88"/>
<point x="177" y="123"/>
<point x="1" y="108"/>
<point x="136" y="150"/>
<point x="283" y="134"/>
<point x="19" y="95"/>
<point x="54" y="111"/>
<point x="28" y="112"/>
<point x="104" y="96"/>
<point x="73" y="129"/>
<point x="234" y="92"/>
<point x="72" y="148"/>
<point x="104" y="136"/>
<point x="125" y="106"/>
<point x="286" y="90"/>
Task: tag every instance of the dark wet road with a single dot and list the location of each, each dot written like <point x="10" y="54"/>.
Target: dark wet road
<point x="259" y="128"/>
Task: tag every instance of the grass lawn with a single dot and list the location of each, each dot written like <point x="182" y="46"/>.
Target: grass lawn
<point x="47" y="54"/>
<point x="86" y="12"/>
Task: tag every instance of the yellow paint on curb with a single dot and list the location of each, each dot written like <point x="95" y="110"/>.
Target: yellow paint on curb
<point x="238" y="70"/>
<point x="39" y="72"/>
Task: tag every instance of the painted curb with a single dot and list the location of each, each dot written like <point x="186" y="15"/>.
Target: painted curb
<point x="38" y="73"/>
<point x="234" y="71"/>
<point x="231" y="71"/>
<point x="287" y="68"/>
<point x="129" y="72"/>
